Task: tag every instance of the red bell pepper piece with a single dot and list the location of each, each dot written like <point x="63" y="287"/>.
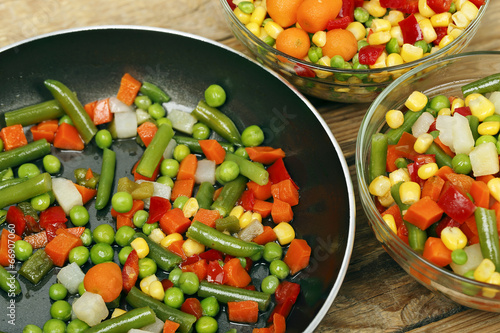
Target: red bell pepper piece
<point x="403" y="233"/>
<point x="392" y="3"/>
<point x="439" y="6"/>
<point x="199" y="268"/>
<point x="477" y="3"/>
<point x="130" y="271"/>
<point x="166" y="284"/>
<point x="413" y="167"/>
<point x="464" y="111"/>
<point x="456" y="204"/>
<point x="446" y="222"/>
<point x="338" y="23"/>
<point x="247" y="200"/>
<point x="32" y="226"/>
<point x="191" y="260"/>
<point x="52" y="215"/>
<point x="432" y="128"/>
<point x="215" y="273"/>
<point x="192" y="306"/>
<point x="369" y="54"/>
<point x="411" y="30"/>
<point x="440" y="32"/>
<point x="278" y="172"/>
<point x="347" y="9"/>
<point x="286" y="294"/>
<point x="211" y="255"/>
<point x="409" y="7"/>
<point x="157" y="207"/>
<point x="51" y="230"/>
<point x="303" y="71"/>
<point x="15" y="216"/>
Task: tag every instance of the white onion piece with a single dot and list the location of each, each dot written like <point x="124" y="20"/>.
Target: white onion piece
<point x="71" y="276"/>
<point x="172" y="105"/>
<point x="422" y="124"/>
<point x="142" y="116"/>
<point x="494" y="98"/>
<point x="474" y="258"/>
<point x="463" y="141"/>
<point x="125" y="125"/>
<point x="117" y="106"/>
<point x="444" y="124"/>
<point x="156" y="327"/>
<point x="182" y="121"/>
<point x="169" y="151"/>
<point x="90" y="308"/>
<point x="66" y="194"/>
<point x="205" y="172"/>
<point x="484" y="159"/>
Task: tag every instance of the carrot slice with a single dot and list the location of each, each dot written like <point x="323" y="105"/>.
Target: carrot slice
<point x="480" y="193"/>
<point x="89" y="108"/>
<point x="13" y="137"/>
<point x="243" y="311"/>
<point x="67" y="137"/>
<point x="279" y="323"/>
<point x="176" y="247"/>
<point x="89" y="174"/>
<point x="436" y="252"/>
<point x="129" y="87"/>
<point x="261" y="192"/>
<point x="187" y="167"/>
<point x="235" y="274"/>
<point x="7" y="238"/>
<point x="444" y="171"/>
<point x="104" y="279"/>
<point x="432" y="188"/>
<point x="49" y="125"/>
<point x="138" y="176"/>
<point x="262" y="207"/>
<point x="423" y="213"/>
<point x="102" y="112"/>
<point x="170" y="326"/>
<point x="285" y="191"/>
<point x="136" y="206"/>
<point x="207" y="216"/>
<point x="37" y="240"/>
<point x="297" y="256"/>
<point x="122" y="221"/>
<point x="463" y="182"/>
<point x="265" y="155"/>
<point x="213" y="150"/>
<point x="146" y="132"/>
<point x="174" y="221"/>
<point x="87" y="193"/>
<point x="182" y="187"/>
<point x="444" y="147"/>
<point x="41" y="134"/>
<point x="281" y="211"/>
<point x="267" y="236"/>
<point x="58" y="248"/>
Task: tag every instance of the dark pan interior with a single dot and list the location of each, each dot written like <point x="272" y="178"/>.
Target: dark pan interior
<point x="91" y="63"/>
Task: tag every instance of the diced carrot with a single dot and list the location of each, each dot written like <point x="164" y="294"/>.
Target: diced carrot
<point x="136" y="206"/>
<point x="436" y="252"/>
<point x="485" y="179"/>
<point x="138" y="176"/>
<point x="268" y="235"/>
<point x="217" y="193"/>
<point x="7" y="239"/>
<point x="392" y="155"/>
<point x="89" y="174"/>
<point x="261" y="192"/>
<point x="285" y="191"/>
<point x="469" y="227"/>
<point x="243" y="311"/>
<point x="213" y="150"/>
<point x="207" y="216"/>
<point x="480" y="193"/>
<point x="262" y="207"/>
<point x="67" y="137"/>
<point x="37" y="240"/>
<point x="122" y="221"/>
<point x="463" y="182"/>
<point x="89" y="108"/>
<point x="58" y="248"/>
<point x="182" y="187"/>
<point x="75" y="231"/>
<point x="396" y="213"/>
<point x="297" y="256"/>
<point x="187" y="167"/>
<point x="174" y="221"/>
<point x="235" y="274"/>
<point x="279" y="323"/>
<point x="199" y="268"/>
<point x="423" y="213"/>
<point x="104" y="279"/>
<point x="87" y="193"/>
<point x="13" y="137"/>
<point x="444" y="171"/>
<point x="444" y="147"/>
<point x="265" y="155"/>
<point x="41" y="134"/>
<point x="407" y="139"/>
<point x="146" y="132"/>
<point x="176" y="247"/>
<point x="264" y="330"/>
<point x="49" y="125"/>
<point x="129" y="87"/>
<point x="281" y="211"/>
<point x="102" y="112"/>
<point x="432" y="188"/>
<point x="170" y="326"/>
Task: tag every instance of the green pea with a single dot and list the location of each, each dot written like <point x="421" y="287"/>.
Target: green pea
<point x="51" y="164"/>
<point x="279" y="269"/>
<point x="54" y="326"/>
<point x="361" y="15"/>
<point x="393" y="46"/>
<point x="79" y="216"/>
<point x="61" y="310"/>
<point x="189" y="283"/>
<point x="22" y="250"/>
<point x="174" y="276"/>
<point x="337" y="62"/>
<point x="459" y="256"/>
<point x="162" y="121"/>
<point x="41" y="202"/>
<point x="269" y="41"/>
<point x="210" y="306"/>
<point x="58" y="291"/>
<point x="313" y="54"/>
<point x="147" y="228"/>
<point x="215" y="95"/>
<point x="241" y="151"/>
<point x="124" y="235"/>
<point x="122" y="202"/>
<point x="143" y="102"/>
<point x="101" y="252"/>
<point x="86" y="237"/>
<point x="201" y="131"/>
<point x="180" y="201"/>
<point x="140" y="217"/>
<point x="32" y="329"/>
<point x="453" y="8"/>
<point x="362" y="43"/>
<point x="81" y="288"/>
<point x="77" y="326"/>
<point x="495" y="117"/>
<point x="180" y="152"/>
<point x="156" y="111"/>
<point x="104" y="233"/>
<point x="246" y="7"/>
<point x="147" y="267"/>
<point x="169" y="167"/>
<point x="358" y="66"/>
<point x="66" y="119"/>
<point x="439" y="102"/>
<point x="401" y="163"/>
<point x="423" y="45"/>
<point x="206" y="325"/>
<point x="174" y="297"/>
<point x="369" y="22"/>
<point x="123" y="254"/>
<point x="343" y="76"/>
<point x="80" y="255"/>
<point x="257" y="256"/>
<point x="269" y="284"/>
<point x="227" y="171"/>
<point x="252" y="136"/>
<point x="485" y="138"/>
<point x="461" y="164"/>
<point x="28" y="170"/>
<point x="165" y="180"/>
<point x="103" y="139"/>
<point x="272" y="251"/>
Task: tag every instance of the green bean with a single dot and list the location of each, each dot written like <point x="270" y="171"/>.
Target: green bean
<point x="221" y="242"/>
<point x="135" y="318"/>
<point x="249" y="169"/>
<point x="488" y="235"/>
<point x="218" y="122"/>
<point x="482" y="86"/>
<point x="442" y="159"/>
<point x="154" y="92"/>
<point x="24" y="154"/>
<point x="230" y="193"/>
<point x="205" y="195"/>
<point x="26" y="190"/>
<point x="34" y="114"/>
<point x="73" y="108"/>
<point x="194" y="145"/>
<point x="9" y="283"/>
<point x="6" y="174"/>
<point x="106" y="179"/>
<point x="393" y="135"/>
<point x="473" y="124"/>
<point x="225" y="294"/>
<point x="164" y="259"/>
<point x="36" y="267"/>
<point x="10" y="182"/>
<point x="378" y="155"/>
<point x="154" y="152"/>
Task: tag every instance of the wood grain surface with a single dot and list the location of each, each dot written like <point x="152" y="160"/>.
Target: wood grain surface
<point x="377" y="295"/>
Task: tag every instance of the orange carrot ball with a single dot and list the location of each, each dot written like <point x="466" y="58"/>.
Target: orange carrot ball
<point x="294" y="42"/>
<point x="340" y="42"/>
<point x="313" y="15"/>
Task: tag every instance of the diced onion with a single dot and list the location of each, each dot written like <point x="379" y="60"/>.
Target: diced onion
<point x="422" y="124"/>
<point x="182" y="121"/>
<point x="66" y="194"/>
<point x="90" y="308"/>
<point x="463" y="141"/>
<point x="495" y="99"/>
<point x="484" y="159"/>
<point x="251" y="231"/>
<point x="71" y="276"/>
<point x="205" y="172"/>
<point x="142" y="116"/>
<point x="125" y="125"/>
<point x="156" y="327"/>
<point x="474" y="258"/>
<point x="117" y="106"/>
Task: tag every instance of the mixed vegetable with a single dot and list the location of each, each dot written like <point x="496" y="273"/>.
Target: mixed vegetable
<point x="197" y="216"/>
<point x="434" y="175"/>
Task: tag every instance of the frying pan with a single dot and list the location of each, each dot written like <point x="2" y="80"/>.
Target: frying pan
<point x="91" y="62"/>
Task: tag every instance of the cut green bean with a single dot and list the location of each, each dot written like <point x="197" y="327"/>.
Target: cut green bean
<point x="24" y="154"/>
<point x="36" y="267"/>
<point x="205" y="195"/>
<point x="473" y="124"/>
<point x="394" y="134"/>
<point x="488" y="235"/>
<point x="218" y="122"/>
<point x="155" y="93"/>
<point x="10" y="182"/>
<point x="9" y="283"/>
<point x="442" y="159"/>
<point x="164" y="259"/>
<point x="483" y="86"/>
<point x="106" y="179"/>
<point x="378" y="155"/>
<point x="154" y="152"/>
<point x="225" y="294"/>
<point x="249" y="169"/>
<point x="26" y="190"/>
<point x="73" y="108"/>
<point x="135" y="318"/>
<point x="34" y="114"/>
<point x="194" y="145"/>
<point x="230" y="193"/>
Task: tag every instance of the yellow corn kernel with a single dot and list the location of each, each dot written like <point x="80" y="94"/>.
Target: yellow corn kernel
<point x="434" y="49"/>
<point x="241" y="16"/>
<point x="156" y="290"/>
<point x="144" y="284"/>
<point x="380" y="63"/>
<point x="444" y="112"/>
<point x="254" y="28"/>
<point x="140" y="246"/>
<point x="323" y="61"/>
<point x="190" y="207"/>
<point x="259" y="3"/>
<point x="419" y="17"/>
<point x="394" y="59"/>
<point x="245" y="219"/>
<point x="441" y="20"/>
<point x="273" y="29"/>
<point x="470" y="98"/>
<point x="428" y="170"/>
<point x="284" y="232"/>
<point x="319" y="38"/>
<point x="394" y="17"/>
<point x="399" y="175"/>
<point x="453" y="238"/>
<point x="391" y="222"/>
<point x="459" y="3"/>
<point x="494" y="187"/>
<point x="394" y="118"/>
<point x="494" y="279"/>
<point x="428" y="31"/>
<point x="381" y="25"/>
<point x="423" y="143"/>
<point x="469" y="10"/>
<point x="481" y="107"/>
<point x="157" y="235"/>
<point x="457" y="103"/>
<point x="379" y="38"/>
<point x="165" y="242"/>
<point x="256" y="216"/>
<point x="409" y="192"/>
<point x="237" y="212"/>
<point x="455" y="32"/>
<point x="258" y="15"/>
<point x="398" y="34"/>
<point x="424" y="9"/>
<point x="446" y="40"/>
<point x="386" y="200"/>
<point x="484" y="271"/>
<point x="357" y="29"/>
<point x="489" y="128"/>
<point x="117" y="312"/>
<point x="374" y="8"/>
<point x="416" y="101"/>
<point x="460" y="19"/>
<point x="380" y="186"/>
<point x="411" y="53"/>
<point x="192" y="247"/>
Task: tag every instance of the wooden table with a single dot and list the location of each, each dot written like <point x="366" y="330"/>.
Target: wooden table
<point x="377" y="295"/>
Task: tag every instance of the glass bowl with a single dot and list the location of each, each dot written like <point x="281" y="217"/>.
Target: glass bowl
<point x="319" y="81"/>
<point x="441" y="76"/>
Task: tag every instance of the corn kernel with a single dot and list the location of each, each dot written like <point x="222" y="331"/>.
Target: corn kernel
<point x="416" y="101"/>
<point x="459" y="3"/>
<point x="453" y="238"/>
<point x="434" y="49"/>
<point x="428" y="31"/>
<point x="494" y="187"/>
<point x="441" y="20"/>
<point x="386" y="200"/>
<point x="391" y="222"/>
<point x="190" y="207"/>
<point x="423" y="143"/>
<point x="457" y="103"/>
<point x="357" y="29"/>
<point x="256" y="216"/>
<point x="319" y="38"/>
<point x="399" y="175"/>
<point x="428" y="170"/>
<point x="379" y="38"/>
<point x="488" y="128"/>
<point x="494" y="279"/>
<point x="446" y="40"/>
<point x="245" y="219"/>
<point x="258" y="15"/>
<point x="237" y="212"/>
<point x="374" y="8"/>
<point x="273" y="29"/>
<point x="444" y="112"/>
<point x="460" y="20"/>
<point x="169" y="239"/>
<point x="192" y="247"/>
<point x="455" y="32"/>
<point x="409" y="193"/>
<point x="323" y="61"/>
<point x="380" y="63"/>
<point x="241" y="16"/>
<point x="380" y="186"/>
<point x="469" y="10"/>
<point x="481" y="107"/>
<point x="424" y="8"/>
<point x="156" y="290"/>
<point x="419" y="17"/>
<point x="394" y="59"/>
<point x="398" y="34"/>
<point x="284" y="232"/>
<point x="254" y="28"/>
<point x="394" y="17"/>
<point x="117" y="312"/>
<point x="381" y="25"/>
<point x="144" y="284"/>
<point x="484" y="271"/>
<point x="411" y="53"/>
<point x="140" y="246"/>
<point x="394" y="118"/>
<point x="471" y="97"/>
<point x="157" y="235"/>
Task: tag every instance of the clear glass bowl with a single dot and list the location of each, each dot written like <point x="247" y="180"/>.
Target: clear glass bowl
<point x="324" y="85"/>
<point x="441" y="76"/>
